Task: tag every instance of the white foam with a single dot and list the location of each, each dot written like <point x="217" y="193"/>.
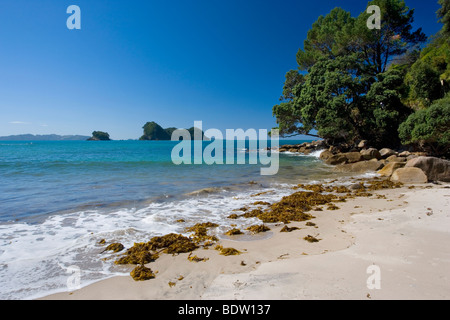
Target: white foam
<point x="34" y="258"/>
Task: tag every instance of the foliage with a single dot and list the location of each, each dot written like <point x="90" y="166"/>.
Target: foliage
<point x="429" y="128"/>
<point x="344" y="88"/>
<point x="444" y="15"/>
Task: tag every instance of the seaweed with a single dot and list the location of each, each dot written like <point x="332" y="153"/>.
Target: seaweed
<point x="172" y="243"/>
<point x="142" y="273"/>
<point x="115" y="247"/>
<point x="200" y="231"/>
<point x="289" y="229"/>
<point x="332" y="207"/>
<point x="311" y="239"/>
<point x="227" y="251"/>
<point x="196" y="259"/>
<point x="261" y="203"/>
<point x="258" y="228"/>
<point x="233" y="216"/>
<point x="233" y="232"/>
<point x="310" y="224"/>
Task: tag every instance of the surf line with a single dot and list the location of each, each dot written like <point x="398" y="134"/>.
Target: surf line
<point x="213" y="153"/>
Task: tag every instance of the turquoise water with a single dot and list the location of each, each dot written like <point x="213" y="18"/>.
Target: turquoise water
<point x="58" y="199"/>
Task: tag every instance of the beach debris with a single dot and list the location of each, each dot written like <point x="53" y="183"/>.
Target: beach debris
<point x="289" y="229"/>
<point x="261" y="203"/>
<point x="227" y="251"/>
<point x="233" y="232"/>
<point x="196" y="259"/>
<point x="115" y="247"/>
<point x="172" y="284"/>
<point x="310" y="224"/>
<point x="103" y="241"/>
<point x="332" y="207"/>
<point x="142" y="273"/>
<point x="243" y="263"/>
<point x="311" y="239"/>
<point x="258" y="228"/>
<point x="200" y="231"/>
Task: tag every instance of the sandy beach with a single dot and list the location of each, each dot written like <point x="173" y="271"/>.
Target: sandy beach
<point x="392" y="245"/>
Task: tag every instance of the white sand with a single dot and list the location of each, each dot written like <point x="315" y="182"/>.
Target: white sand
<point x="406" y="236"/>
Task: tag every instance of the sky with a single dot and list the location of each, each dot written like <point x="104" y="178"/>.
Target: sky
<point x="172" y="62"/>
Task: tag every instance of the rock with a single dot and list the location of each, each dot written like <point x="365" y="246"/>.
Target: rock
<point x="396" y="159"/>
<point x="334" y="149"/>
<point x="283" y="150"/>
<point x="336" y="159"/>
<point x="363" y="144"/>
<point x="412" y="156"/>
<point x="325" y="155"/>
<point x="389" y="168"/>
<point x="386" y="152"/>
<point x="360" y="167"/>
<point x="435" y="169"/>
<point x="404" y="154"/>
<point x="353" y="157"/>
<point x="370" y="153"/>
<point x="409" y="175"/>
<point x="293" y="150"/>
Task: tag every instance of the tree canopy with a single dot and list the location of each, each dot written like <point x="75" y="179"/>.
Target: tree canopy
<point x="345" y="87"/>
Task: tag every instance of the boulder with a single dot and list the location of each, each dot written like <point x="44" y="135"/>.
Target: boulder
<point x="386" y="152"/>
<point x="336" y="159"/>
<point x="370" y="153"/>
<point x="353" y="157"/>
<point x="396" y="159"/>
<point x="360" y="167"/>
<point x="404" y="154"/>
<point x="389" y="168"/>
<point x="325" y="155"/>
<point x="363" y="144"/>
<point x="435" y="169"/>
<point x="409" y="175"/>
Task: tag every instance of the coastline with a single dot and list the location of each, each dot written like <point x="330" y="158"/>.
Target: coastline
<point x="402" y="231"/>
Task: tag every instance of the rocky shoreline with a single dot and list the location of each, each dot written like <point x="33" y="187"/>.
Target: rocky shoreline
<point x="398" y="166"/>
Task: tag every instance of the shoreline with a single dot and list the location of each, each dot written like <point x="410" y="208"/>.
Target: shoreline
<point x="388" y="229"/>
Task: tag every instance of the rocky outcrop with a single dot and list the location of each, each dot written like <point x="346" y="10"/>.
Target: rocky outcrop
<point x="305" y="148"/>
<point x="371" y="153"/>
<point x="390" y="168"/>
<point x="435" y="169"/>
<point x="361" y="166"/>
<point x="386" y="152"/>
<point x="409" y="175"/>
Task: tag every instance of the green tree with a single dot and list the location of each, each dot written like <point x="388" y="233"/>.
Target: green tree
<point x="428" y="129"/>
<point x="444" y="15"/>
<point x="347" y="92"/>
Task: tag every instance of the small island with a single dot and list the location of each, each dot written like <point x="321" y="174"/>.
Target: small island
<point x="154" y="132"/>
<point x="99" y="136"/>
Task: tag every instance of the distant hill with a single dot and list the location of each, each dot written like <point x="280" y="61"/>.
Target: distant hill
<point x="45" y="137"/>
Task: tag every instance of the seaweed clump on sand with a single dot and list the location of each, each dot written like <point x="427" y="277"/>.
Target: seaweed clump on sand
<point x="142" y="273"/>
<point x="295" y="206"/>
<point x="143" y="253"/>
<point x="258" y="228"/>
<point x="289" y="229"/>
<point x="227" y="251"/>
<point x="233" y="232"/>
<point x="311" y="239"/>
<point x="200" y="231"/>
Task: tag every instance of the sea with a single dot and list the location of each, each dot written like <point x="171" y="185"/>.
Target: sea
<point x="58" y="199"/>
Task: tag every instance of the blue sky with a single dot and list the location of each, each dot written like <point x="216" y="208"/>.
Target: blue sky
<point x="173" y="62"/>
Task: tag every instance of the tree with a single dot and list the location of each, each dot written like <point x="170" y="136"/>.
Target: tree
<point x="428" y="129"/>
<point x="347" y="92"/>
<point x="444" y="15"/>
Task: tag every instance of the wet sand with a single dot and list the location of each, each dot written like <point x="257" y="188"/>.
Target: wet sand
<point x="392" y="245"/>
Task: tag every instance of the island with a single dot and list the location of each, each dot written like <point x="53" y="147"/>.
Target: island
<point x="154" y="132"/>
<point x="99" y="136"/>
